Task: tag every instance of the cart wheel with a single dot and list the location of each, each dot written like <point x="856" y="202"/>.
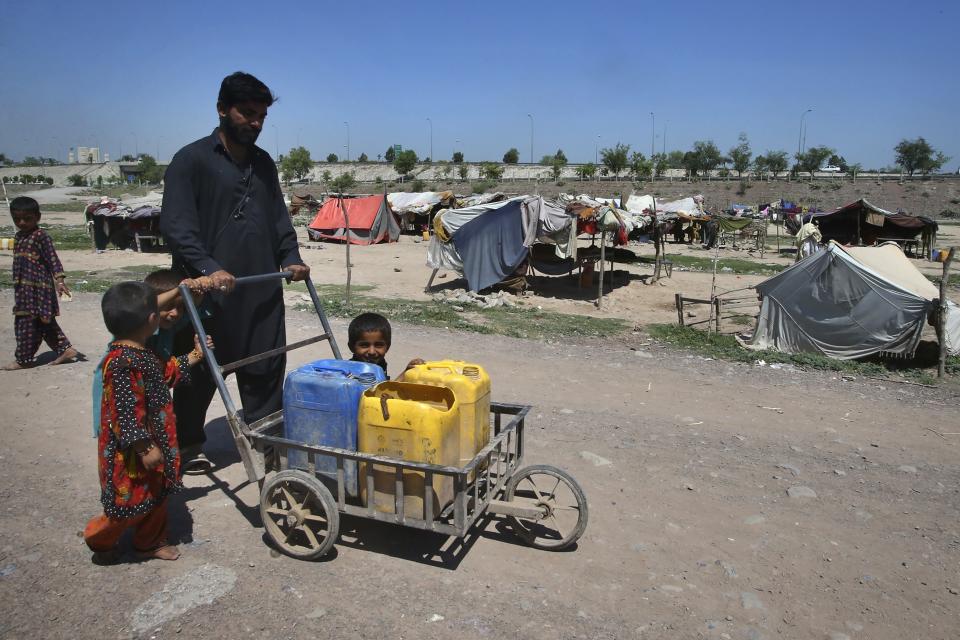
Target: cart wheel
<point x="299" y="514"/>
<point x="564" y="506"/>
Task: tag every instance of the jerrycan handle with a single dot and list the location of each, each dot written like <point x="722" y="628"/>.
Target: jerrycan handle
<point x="442" y="367"/>
<point x="345" y="374"/>
<point x="383" y="406"/>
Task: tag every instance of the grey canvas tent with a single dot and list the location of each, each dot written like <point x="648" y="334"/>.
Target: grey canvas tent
<point x="848" y="303"/>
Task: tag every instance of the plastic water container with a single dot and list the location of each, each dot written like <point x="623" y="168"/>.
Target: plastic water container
<point x="7" y="243"/>
<point x="320" y="402"/>
<point x="471" y="387"/>
<point x="414" y="422"/>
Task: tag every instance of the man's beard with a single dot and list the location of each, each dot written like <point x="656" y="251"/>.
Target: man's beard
<point x="239" y="134"/>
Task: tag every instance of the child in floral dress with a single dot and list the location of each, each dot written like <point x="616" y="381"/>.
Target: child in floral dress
<point x="137" y="446"/>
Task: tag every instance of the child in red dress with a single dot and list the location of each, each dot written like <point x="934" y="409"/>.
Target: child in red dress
<point x="137" y="446"/>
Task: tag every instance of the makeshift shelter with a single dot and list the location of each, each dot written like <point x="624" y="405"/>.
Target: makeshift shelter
<point x="122" y="225"/>
<point x="371" y="221"/>
<point x="849" y="303"/>
<point x="489" y="242"/>
<point x="412" y="208"/>
<point x="862" y="223"/>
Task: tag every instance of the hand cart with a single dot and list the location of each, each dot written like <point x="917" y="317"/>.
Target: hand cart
<point x="544" y="505"/>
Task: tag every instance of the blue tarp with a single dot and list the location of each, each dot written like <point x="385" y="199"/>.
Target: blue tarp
<point x="491" y="246"/>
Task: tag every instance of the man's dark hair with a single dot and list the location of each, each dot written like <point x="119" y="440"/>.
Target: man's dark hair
<point x="126" y="307"/>
<point x="367" y="322"/>
<point x="25" y="204"/>
<point x="163" y="280"/>
<point x="242" y="87"/>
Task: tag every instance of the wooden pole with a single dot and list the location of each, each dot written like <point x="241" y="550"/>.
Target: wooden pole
<point x="941" y="326"/>
<point x="603" y="251"/>
<point x="346" y="224"/>
<point x="713" y="283"/>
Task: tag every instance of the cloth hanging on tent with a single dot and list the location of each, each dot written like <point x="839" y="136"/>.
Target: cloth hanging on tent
<point x="491" y="246"/>
<point x="732" y="225"/>
<point x="874" y="218"/>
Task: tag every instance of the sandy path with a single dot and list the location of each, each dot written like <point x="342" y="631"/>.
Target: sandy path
<point x="684" y="463"/>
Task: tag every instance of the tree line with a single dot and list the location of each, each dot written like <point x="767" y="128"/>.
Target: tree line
<point x="913" y="156"/>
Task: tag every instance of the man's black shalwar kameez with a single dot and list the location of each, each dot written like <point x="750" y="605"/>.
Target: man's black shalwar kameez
<point x="218" y="215"/>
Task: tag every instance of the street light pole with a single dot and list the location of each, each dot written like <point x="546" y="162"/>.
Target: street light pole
<point x="653" y="129"/>
<point x="136" y="146"/>
<point x="431" y="138"/>
<point x="596" y="151"/>
<point x="665" y="138"/>
<point x="347" y="125"/>
<point x="800" y="135"/>
<point x="531" y="137"/>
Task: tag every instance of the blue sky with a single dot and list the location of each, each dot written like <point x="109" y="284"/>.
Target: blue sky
<point x="144" y="76"/>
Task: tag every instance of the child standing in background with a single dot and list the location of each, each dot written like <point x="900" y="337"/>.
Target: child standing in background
<point x="38" y="279"/>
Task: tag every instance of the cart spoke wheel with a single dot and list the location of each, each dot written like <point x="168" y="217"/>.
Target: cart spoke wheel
<point x="299" y="514"/>
<point x="563" y="509"/>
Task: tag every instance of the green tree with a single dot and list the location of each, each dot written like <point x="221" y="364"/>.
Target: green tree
<point x="332" y="157"/>
<point x="363" y="158"/>
<point x="760" y="166"/>
<point x="99" y="181"/>
<point x="464" y="171"/>
<point x="640" y="167"/>
<point x="4" y="159"/>
<point x="918" y="155"/>
<point x="704" y="157"/>
<point x="615" y="159"/>
<point x="777" y="162"/>
<point x="458" y="157"/>
<point x="296" y="164"/>
<point x="740" y="155"/>
<point x="343" y="182"/>
<point x="390" y="155"/>
<point x="150" y="171"/>
<point x="587" y="171"/>
<point x="561" y="156"/>
<point x="491" y="170"/>
<point x="675" y="159"/>
<point x="75" y="180"/>
<point x="512" y="156"/>
<point x="405" y="161"/>
<point x="446" y="170"/>
<point x="325" y="176"/>
<point x="812" y="159"/>
<point x="660" y="164"/>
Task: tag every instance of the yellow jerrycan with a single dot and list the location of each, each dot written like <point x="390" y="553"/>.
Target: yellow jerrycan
<point x="414" y="422"/>
<point x="471" y="387"/>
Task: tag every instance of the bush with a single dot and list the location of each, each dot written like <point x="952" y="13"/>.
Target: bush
<point x="491" y="171"/>
<point x="75" y="180"/>
<point x="418" y="185"/>
<point x="343" y="182"/>
<point x="482" y="186"/>
<point x="378" y="180"/>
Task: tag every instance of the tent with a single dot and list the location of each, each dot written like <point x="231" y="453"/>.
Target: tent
<point x="371" y="221"/>
<point x="488" y="242"/>
<point x="861" y="222"/>
<point x="849" y="303"/>
<point x="125" y="225"/>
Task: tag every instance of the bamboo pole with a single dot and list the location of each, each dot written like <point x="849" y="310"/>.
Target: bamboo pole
<point x="603" y="250"/>
<point x="941" y="326"/>
<point x="346" y="224"/>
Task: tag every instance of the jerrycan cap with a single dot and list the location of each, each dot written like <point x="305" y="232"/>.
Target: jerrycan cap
<point x="471" y="372"/>
<point x="366" y="379"/>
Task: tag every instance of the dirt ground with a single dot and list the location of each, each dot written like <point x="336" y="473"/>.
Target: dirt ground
<point x="686" y="463"/>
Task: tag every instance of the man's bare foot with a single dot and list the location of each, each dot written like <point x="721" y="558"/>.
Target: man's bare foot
<point x="166" y="552"/>
<point x="15" y="366"/>
<point x="69" y="355"/>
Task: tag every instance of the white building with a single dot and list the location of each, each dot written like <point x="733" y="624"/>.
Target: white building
<point x="87" y="155"/>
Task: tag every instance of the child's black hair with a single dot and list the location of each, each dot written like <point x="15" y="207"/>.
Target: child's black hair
<point x="242" y="87"/>
<point x="367" y="322"/>
<point x="25" y="204"/>
<point x="163" y="280"/>
<point x="126" y="307"/>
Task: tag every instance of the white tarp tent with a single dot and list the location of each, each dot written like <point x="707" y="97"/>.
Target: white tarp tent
<point x="847" y="304"/>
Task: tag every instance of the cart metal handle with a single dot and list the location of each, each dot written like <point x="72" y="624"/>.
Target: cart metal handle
<point x="237" y="426"/>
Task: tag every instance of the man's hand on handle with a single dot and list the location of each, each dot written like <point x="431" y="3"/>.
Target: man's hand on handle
<point x="223" y="281"/>
<point x="299" y="271"/>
